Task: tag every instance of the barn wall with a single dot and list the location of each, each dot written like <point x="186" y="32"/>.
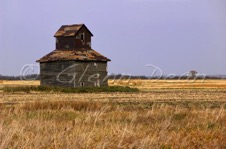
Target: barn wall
<point x="73" y="42"/>
<point x="61" y="42"/>
<point x="73" y="74"/>
<point x="87" y="40"/>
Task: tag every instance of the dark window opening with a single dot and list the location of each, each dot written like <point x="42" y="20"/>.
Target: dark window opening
<point x="82" y="36"/>
<point x="82" y="84"/>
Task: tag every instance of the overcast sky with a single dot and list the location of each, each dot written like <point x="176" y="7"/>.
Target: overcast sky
<point x="174" y="35"/>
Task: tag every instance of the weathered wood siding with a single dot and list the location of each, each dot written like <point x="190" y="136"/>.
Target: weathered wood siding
<point x="73" y="73"/>
<point x="73" y="42"/>
<point x="65" y="42"/>
<point x="87" y="39"/>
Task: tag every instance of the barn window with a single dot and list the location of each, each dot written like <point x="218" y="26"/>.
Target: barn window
<point x="83" y="36"/>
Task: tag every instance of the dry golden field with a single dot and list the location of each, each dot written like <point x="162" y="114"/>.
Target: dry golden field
<point x="171" y="84"/>
<point x="144" y="84"/>
<point x="164" y="114"/>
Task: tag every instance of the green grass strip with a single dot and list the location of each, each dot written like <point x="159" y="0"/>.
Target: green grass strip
<point x="28" y="89"/>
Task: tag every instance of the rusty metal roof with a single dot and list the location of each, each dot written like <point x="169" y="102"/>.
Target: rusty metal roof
<point x="78" y="54"/>
<point x="70" y="30"/>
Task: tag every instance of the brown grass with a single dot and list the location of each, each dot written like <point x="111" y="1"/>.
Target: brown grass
<point x="110" y="125"/>
<point x="155" y="118"/>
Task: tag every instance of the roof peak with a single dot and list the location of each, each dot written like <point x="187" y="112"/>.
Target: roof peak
<point x="71" y="25"/>
<point x="72" y="29"/>
<point x="80" y="24"/>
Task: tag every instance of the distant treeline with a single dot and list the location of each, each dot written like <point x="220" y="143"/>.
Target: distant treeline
<point x="120" y="76"/>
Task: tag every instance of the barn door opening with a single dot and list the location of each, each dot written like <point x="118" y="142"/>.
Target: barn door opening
<point x="82" y="84"/>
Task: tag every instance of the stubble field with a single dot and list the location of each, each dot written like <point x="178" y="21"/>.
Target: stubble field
<point x="164" y="114"/>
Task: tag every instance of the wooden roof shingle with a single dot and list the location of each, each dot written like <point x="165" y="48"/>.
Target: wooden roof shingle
<point x="78" y="54"/>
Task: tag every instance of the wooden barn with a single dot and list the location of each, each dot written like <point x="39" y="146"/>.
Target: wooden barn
<point x="74" y="63"/>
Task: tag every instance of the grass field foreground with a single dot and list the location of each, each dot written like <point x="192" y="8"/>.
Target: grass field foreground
<point x="153" y="118"/>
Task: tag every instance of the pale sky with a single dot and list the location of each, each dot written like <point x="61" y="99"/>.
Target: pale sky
<point x="174" y="35"/>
